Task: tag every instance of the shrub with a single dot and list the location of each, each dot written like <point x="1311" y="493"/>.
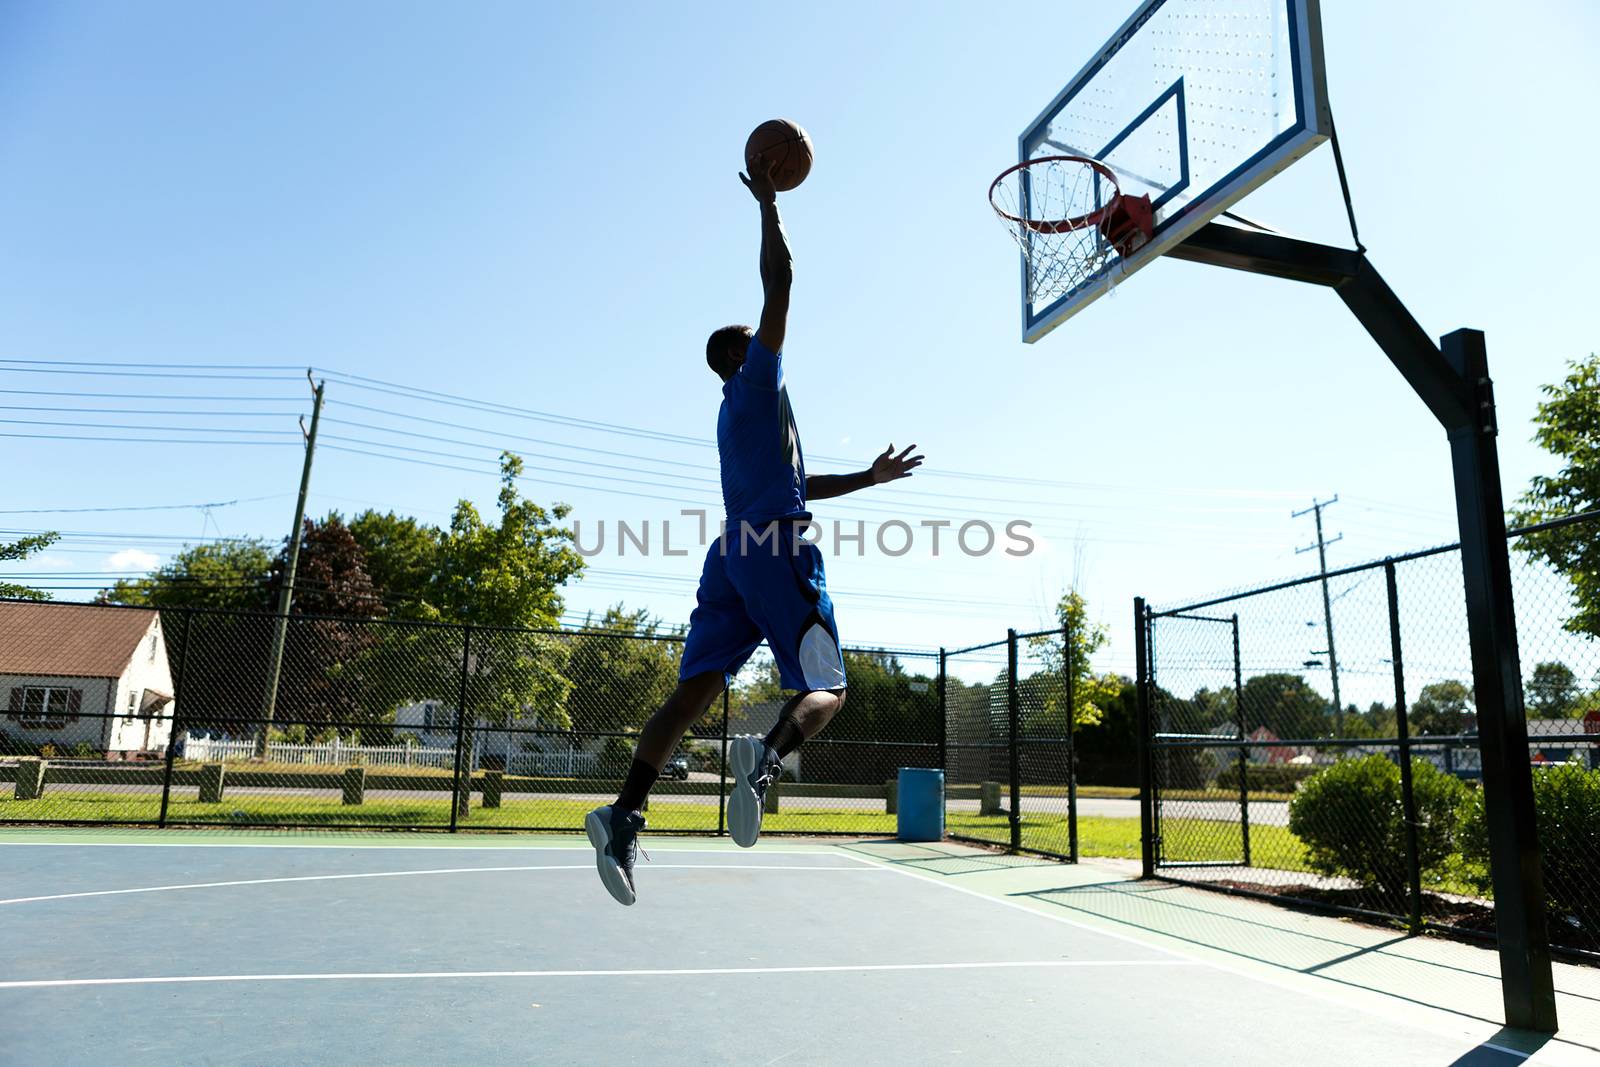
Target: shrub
<point x="47" y="751"/>
<point x="1352" y="821"/>
<point x="1567" y="799"/>
<point x="1266" y="777"/>
<point x="616" y="756"/>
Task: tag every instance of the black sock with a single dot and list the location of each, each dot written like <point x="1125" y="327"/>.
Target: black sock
<point x="785" y="737"/>
<point x="641" y="776"/>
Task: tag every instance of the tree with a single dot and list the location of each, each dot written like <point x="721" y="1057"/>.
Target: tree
<point x="229" y="575"/>
<point x="508" y="574"/>
<point x="1068" y="655"/>
<point x="502" y="578"/>
<point x="19" y="550"/>
<point x="1568" y="425"/>
<point x="402" y="557"/>
<point x="326" y="666"/>
<point x="1443" y="708"/>
<point x="1552" y="690"/>
<point x="622" y="667"/>
<point x="1285" y="704"/>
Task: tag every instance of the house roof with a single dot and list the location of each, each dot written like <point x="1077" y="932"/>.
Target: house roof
<point x="69" y="640"/>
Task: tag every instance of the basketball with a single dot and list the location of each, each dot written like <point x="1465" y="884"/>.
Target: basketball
<point x="785" y="143"/>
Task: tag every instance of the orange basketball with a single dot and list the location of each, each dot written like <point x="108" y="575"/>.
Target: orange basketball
<point x="782" y="142"/>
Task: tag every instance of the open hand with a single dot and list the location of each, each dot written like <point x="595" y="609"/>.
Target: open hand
<point x="760" y="181"/>
<point x="890" y="467"/>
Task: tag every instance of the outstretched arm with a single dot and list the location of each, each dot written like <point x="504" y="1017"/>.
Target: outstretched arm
<point x="777" y="268"/>
<point x="886" y="468"/>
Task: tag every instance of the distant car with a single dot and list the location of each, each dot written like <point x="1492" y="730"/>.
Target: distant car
<point x="677" y="767"/>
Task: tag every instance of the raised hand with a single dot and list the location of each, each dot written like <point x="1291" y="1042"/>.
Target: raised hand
<point x="890" y="467"/>
<point x="760" y="181"/>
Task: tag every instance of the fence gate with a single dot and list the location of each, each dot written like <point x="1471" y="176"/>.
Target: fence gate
<point x="1199" y="744"/>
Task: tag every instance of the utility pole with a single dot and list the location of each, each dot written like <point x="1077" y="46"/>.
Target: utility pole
<point x="280" y="631"/>
<point x="1327" y="605"/>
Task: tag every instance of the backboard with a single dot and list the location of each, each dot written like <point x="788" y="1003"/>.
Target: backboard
<point x="1193" y="102"/>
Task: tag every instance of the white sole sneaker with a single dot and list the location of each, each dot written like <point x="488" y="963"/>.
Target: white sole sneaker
<point x="744" y="807"/>
<point x="598" y="825"/>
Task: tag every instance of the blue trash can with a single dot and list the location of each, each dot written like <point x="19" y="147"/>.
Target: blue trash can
<point x="921" y="804"/>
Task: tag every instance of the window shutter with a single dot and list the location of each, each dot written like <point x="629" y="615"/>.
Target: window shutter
<point x="74" y="703"/>
<point x="14" y="707"/>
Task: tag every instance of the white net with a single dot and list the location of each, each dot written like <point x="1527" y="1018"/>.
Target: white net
<point x="1052" y="209"/>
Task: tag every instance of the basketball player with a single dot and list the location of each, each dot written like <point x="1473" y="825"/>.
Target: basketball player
<point x="761" y="578"/>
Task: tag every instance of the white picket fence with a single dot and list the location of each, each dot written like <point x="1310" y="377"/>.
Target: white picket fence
<point x="331" y="753"/>
<point x="555" y="764"/>
<point x="335" y="753"/>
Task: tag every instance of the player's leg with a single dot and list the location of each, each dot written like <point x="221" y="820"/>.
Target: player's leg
<point x="787" y="597"/>
<point x="721" y="637"/>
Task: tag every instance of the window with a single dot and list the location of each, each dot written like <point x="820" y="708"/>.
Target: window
<point x="133" y="704"/>
<point x="152" y="648"/>
<point x="39" y="707"/>
<point x="436" y="718"/>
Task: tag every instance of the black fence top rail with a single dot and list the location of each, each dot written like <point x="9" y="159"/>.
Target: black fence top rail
<point x="1357" y="568"/>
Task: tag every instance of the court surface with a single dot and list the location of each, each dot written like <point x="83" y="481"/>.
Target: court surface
<point x="229" y="948"/>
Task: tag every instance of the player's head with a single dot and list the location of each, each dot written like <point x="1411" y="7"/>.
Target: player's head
<point x="725" y="350"/>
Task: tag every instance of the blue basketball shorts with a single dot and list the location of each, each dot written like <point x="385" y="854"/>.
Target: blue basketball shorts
<point x="774" y="590"/>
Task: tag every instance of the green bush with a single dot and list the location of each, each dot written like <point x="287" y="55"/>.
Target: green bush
<point x="1266" y="777"/>
<point x="616" y="755"/>
<point x="1352" y="821"/>
<point x="1567" y="799"/>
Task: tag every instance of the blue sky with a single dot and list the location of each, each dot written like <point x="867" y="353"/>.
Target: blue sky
<point x="536" y="207"/>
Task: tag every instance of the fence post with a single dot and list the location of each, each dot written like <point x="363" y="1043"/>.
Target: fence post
<point x="1147" y="819"/>
<point x="1408" y="798"/>
<point x="177" y="703"/>
<point x="456" y="806"/>
<point x="1011" y="736"/>
<point x="944" y="716"/>
<point x="1244" y="749"/>
<point x="1072" y="744"/>
<point x="722" y="770"/>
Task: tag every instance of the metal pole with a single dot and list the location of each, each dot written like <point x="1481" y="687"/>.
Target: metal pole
<point x="177" y="703"/>
<point x="1408" y="798"/>
<point x="461" y="717"/>
<point x="1011" y="733"/>
<point x="1072" y="755"/>
<point x="944" y="716"/>
<point x="1327" y="604"/>
<point x="1147" y="822"/>
<point x="1454" y="383"/>
<point x="722" y="770"/>
<point x="1514" y="863"/>
<point x="1244" y="749"/>
<point x="280" y="632"/>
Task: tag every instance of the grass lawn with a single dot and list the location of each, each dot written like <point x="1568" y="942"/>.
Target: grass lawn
<point x="1118" y="838"/>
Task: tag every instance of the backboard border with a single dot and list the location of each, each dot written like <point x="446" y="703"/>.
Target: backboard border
<point x="1311" y="94"/>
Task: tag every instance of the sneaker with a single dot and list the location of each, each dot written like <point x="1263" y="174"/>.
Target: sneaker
<point x="755" y="768"/>
<point x="615" y="837"/>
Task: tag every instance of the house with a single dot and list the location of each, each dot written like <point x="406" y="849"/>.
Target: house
<point x="84" y="679"/>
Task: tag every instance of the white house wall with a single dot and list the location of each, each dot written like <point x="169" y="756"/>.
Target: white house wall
<point x="89" y="729"/>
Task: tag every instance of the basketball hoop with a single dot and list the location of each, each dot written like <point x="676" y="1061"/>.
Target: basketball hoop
<point x="1070" y="218"/>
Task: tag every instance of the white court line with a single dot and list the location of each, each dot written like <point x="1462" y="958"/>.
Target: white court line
<point x="675" y="972"/>
<point x="1393" y="1014"/>
<point x="576" y="846"/>
<point x="443" y="870"/>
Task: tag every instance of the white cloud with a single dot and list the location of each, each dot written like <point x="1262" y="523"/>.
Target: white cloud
<point x="131" y="559"/>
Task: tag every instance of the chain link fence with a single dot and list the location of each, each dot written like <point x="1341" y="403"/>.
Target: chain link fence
<point x="1316" y="741"/>
<point x="127" y="715"/>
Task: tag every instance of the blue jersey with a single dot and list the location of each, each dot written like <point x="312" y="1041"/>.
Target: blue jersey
<point x="763" y="470"/>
